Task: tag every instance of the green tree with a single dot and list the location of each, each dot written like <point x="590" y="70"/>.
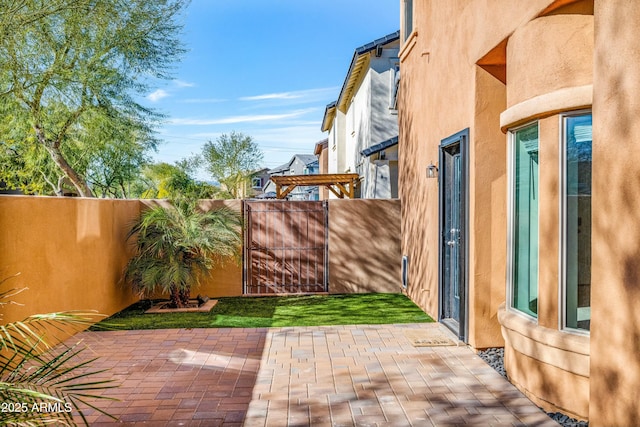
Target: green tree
<point x="231" y="160"/>
<point x="115" y="156"/>
<point x="166" y="181"/>
<point x="177" y="245"/>
<point x="66" y="65"/>
<point x="110" y="156"/>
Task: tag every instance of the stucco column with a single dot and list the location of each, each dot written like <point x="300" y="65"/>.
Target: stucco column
<point x="615" y="297"/>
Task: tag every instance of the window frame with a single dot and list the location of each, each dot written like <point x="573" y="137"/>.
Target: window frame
<point x="256" y="179"/>
<point x="511" y="152"/>
<point x="562" y="170"/>
<point x="407" y="17"/>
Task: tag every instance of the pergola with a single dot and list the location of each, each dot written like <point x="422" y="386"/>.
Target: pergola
<point x="340" y="184"/>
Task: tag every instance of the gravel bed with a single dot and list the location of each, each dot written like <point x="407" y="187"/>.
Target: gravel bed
<point x="495" y="358"/>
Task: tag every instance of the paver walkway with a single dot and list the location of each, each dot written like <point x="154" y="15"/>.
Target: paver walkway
<point x="308" y="376"/>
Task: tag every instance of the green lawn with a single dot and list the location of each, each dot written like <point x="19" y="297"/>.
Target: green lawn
<point x="256" y="312"/>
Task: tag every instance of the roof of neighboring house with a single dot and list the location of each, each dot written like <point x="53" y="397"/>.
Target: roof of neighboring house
<point x="280" y="168"/>
<point x="321" y="145"/>
<point x="353" y="75"/>
<point x="329" y="114"/>
<point x="267" y="195"/>
<point x="260" y="171"/>
<point x="379" y="147"/>
<point x="357" y="63"/>
<point x="307" y="159"/>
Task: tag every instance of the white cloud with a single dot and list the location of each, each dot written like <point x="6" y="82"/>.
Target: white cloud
<point x="239" y="119"/>
<point x="282" y="95"/>
<point x="182" y="83"/>
<point x="309" y="95"/>
<point x="157" y="95"/>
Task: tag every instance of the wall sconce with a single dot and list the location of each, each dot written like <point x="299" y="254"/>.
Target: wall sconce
<point x="432" y="171"/>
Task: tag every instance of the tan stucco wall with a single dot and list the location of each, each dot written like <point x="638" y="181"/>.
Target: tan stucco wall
<point x="547" y="54"/>
<point x="551" y="367"/>
<point x="531" y="66"/>
<point x="70" y="253"/>
<point x="364" y="246"/>
<point x="442" y="92"/>
<point x="225" y="279"/>
<point x="615" y="297"/>
<point x="487" y="212"/>
<point x="548" y="222"/>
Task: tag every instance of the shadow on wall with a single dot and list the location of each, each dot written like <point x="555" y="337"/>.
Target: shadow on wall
<point x="364" y="246"/>
<point x="419" y="207"/>
<point x="615" y="293"/>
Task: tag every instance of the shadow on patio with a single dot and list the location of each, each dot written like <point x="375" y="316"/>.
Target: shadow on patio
<point x="176" y="376"/>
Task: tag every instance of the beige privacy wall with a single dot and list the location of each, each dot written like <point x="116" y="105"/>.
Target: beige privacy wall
<point x="364" y="246"/>
<point x="69" y="252"/>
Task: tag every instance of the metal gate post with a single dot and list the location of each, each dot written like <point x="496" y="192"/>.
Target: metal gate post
<point x="246" y="241"/>
<point x="325" y="207"/>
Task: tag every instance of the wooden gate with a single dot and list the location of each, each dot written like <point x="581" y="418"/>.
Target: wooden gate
<point x="286" y="247"/>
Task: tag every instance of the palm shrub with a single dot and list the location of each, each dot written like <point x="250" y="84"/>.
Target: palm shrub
<point x="40" y="384"/>
<point x="179" y="244"/>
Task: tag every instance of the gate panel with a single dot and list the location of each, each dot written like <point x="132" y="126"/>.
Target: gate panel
<point x="285" y="247"/>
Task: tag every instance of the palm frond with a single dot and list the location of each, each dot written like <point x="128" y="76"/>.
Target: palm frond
<point x="36" y="375"/>
<point x="178" y="244"/>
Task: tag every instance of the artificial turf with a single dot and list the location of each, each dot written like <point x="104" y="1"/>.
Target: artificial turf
<point x="277" y="311"/>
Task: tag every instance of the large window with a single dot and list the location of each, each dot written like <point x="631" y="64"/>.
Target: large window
<point x="577" y="221"/>
<point x="524" y="220"/>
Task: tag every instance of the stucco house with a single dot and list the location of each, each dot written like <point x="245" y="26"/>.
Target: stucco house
<point x="364" y="116"/>
<point x="519" y="175"/>
<point x="300" y="164"/>
<point x="321" y="150"/>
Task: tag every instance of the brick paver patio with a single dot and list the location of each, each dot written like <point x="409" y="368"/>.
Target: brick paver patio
<point x="307" y="376"/>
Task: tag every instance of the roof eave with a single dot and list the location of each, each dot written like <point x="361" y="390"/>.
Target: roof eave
<point x="329" y="115"/>
<point x="359" y="56"/>
<point x="380" y="146"/>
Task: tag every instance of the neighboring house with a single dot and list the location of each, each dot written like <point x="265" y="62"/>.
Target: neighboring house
<point x="252" y="187"/>
<point x="322" y="153"/>
<point x="300" y="164"/>
<point x="519" y="176"/>
<point x="258" y="180"/>
<point x="364" y="116"/>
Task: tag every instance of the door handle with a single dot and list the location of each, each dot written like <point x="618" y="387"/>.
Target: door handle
<point x="451" y="242"/>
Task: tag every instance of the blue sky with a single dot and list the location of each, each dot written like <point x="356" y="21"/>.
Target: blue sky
<point x="266" y="68"/>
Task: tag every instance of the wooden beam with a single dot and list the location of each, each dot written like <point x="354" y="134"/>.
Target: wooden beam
<point x="343" y="190"/>
<point x="286" y="191"/>
<point x="333" y="190"/>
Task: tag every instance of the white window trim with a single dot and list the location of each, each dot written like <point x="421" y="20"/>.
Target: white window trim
<point x="511" y="222"/>
<point x="562" y="229"/>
